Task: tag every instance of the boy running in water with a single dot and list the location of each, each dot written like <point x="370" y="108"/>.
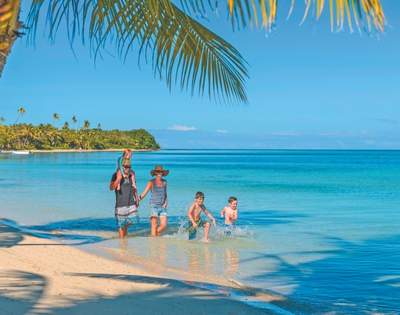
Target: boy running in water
<point x="195" y="220"/>
<point x="230" y="212"/>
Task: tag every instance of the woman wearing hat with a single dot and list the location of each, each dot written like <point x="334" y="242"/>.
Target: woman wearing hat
<point x="158" y="200"/>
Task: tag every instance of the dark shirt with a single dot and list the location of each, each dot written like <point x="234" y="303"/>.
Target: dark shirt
<point x="125" y="197"/>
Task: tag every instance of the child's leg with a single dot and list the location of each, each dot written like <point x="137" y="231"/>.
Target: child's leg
<point x="192" y="231"/>
<point x="206" y="231"/>
<point x="118" y="180"/>
<point x="192" y="234"/>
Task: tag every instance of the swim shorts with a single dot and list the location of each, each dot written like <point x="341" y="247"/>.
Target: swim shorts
<point x="125" y="216"/>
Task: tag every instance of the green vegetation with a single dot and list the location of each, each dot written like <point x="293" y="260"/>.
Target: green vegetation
<point x="48" y="137"/>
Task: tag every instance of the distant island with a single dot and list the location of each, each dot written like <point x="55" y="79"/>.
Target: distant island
<point x="47" y="137"/>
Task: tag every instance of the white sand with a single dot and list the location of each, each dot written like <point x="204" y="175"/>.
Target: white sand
<point x="39" y="276"/>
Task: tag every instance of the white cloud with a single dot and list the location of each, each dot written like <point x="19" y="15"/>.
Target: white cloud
<point x="182" y="128"/>
<point x="222" y="131"/>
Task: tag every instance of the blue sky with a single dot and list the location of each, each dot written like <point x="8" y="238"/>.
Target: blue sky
<point x="308" y="88"/>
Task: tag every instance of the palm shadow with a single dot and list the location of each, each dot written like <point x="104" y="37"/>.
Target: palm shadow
<point x="353" y="278"/>
<point x="9" y="236"/>
<point x="20" y="291"/>
<point x="95" y="229"/>
<point x="174" y="297"/>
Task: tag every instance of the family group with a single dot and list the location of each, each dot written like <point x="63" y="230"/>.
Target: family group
<point x="127" y="201"/>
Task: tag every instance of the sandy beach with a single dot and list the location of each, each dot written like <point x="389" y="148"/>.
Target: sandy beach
<point x="40" y="276"/>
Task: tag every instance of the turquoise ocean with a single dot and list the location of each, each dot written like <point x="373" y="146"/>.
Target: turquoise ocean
<point x="320" y="228"/>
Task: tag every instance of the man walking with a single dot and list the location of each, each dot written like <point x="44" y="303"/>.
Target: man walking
<point x="126" y="200"/>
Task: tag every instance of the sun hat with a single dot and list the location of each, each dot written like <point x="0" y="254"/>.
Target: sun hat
<point x="159" y="169"/>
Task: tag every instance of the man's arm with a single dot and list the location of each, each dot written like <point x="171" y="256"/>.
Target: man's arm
<point x="113" y="182"/>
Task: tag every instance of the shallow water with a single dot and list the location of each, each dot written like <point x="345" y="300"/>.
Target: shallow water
<point x="320" y="227"/>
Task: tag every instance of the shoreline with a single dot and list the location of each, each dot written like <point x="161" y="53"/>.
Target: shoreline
<point x="78" y="150"/>
<point x="63" y="279"/>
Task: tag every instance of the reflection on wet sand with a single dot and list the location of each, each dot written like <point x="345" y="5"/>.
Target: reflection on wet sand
<point x="187" y="260"/>
<point x="199" y="260"/>
<point x="231" y="262"/>
<point x="123" y="244"/>
<point x="157" y="254"/>
<point x="206" y="260"/>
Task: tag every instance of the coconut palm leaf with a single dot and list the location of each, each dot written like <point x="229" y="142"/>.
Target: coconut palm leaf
<point x="9" y="28"/>
<point x="264" y="12"/>
<point x="180" y="49"/>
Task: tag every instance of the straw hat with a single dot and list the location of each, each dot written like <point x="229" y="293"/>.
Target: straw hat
<point x="159" y="169"/>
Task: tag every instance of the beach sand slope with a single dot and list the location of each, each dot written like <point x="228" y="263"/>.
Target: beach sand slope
<point x="40" y="276"/>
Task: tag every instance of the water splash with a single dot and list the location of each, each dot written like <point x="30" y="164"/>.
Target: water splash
<point x="223" y="232"/>
<point x="218" y="232"/>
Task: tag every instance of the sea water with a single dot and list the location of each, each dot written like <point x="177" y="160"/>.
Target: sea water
<point x="321" y="228"/>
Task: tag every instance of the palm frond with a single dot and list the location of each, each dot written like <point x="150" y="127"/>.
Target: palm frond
<point x="9" y="28"/>
<point x="180" y="49"/>
<point x="263" y="13"/>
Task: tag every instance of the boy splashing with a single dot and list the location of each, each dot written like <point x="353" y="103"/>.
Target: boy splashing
<point x="230" y="212"/>
<point x="195" y="220"/>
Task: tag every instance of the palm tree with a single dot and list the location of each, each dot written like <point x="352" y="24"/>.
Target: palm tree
<point x="99" y="126"/>
<point x="9" y="28"/>
<point x="21" y="112"/>
<point x="56" y="117"/>
<point x="181" y="49"/>
<point x="66" y="126"/>
<point x="74" y="119"/>
<point x="86" y="124"/>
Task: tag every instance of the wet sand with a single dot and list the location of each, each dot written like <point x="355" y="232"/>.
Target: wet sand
<point x="42" y="276"/>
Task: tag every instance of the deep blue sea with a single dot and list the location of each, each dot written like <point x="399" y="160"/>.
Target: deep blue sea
<point x="321" y="228"/>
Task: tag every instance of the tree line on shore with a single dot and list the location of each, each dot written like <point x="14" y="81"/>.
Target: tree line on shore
<point x="24" y="136"/>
